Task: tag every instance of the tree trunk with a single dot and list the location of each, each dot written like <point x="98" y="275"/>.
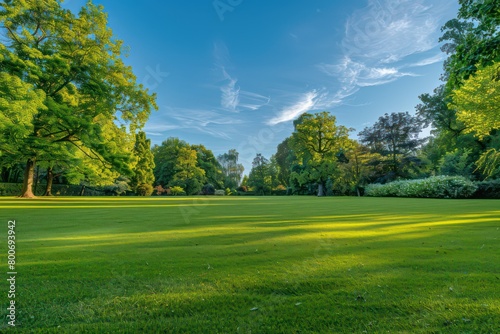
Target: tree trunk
<point x="29" y="174"/>
<point x="321" y="190"/>
<point x="82" y="192"/>
<point x="50" y="179"/>
<point x="37" y="179"/>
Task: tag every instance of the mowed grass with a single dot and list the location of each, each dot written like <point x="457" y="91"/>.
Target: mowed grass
<point x="254" y="265"/>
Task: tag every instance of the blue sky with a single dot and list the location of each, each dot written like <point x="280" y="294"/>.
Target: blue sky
<point x="236" y="73"/>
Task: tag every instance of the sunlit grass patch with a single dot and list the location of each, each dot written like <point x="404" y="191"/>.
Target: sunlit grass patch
<point x="256" y="265"/>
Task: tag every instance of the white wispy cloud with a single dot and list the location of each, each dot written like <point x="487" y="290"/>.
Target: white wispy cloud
<point x="205" y="121"/>
<point x="230" y="98"/>
<point x="389" y="30"/>
<point x="159" y="128"/>
<point x="253" y="101"/>
<point x="376" y="49"/>
<point x="379" y="37"/>
<point x="429" y="61"/>
<point x="353" y="74"/>
<point x="233" y="98"/>
<point x="304" y="104"/>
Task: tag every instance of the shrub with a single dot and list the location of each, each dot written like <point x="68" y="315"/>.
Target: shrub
<point x="280" y="190"/>
<point x="14" y="189"/>
<point x="159" y="190"/>
<point x="243" y="189"/>
<point x="208" y="189"/>
<point x="228" y="192"/>
<point x="10" y="189"/>
<point x="220" y="192"/>
<point x="144" y="190"/>
<point x="176" y="191"/>
<point x="432" y="187"/>
<point x="488" y="189"/>
<point x="116" y="189"/>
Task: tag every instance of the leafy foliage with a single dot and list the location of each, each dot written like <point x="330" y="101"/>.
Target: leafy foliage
<point x="479" y="44"/>
<point x="180" y="164"/>
<point x="432" y="187"/>
<point x="69" y="71"/>
<point x="457" y="163"/>
<point x="231" y="169"/>
<point x="260" y="178"/>
<point x="118" y="188"/>
<point x="316" y="141"/>
<point x="177" y="191"/>
<point x="143" y="170"/>
<point x="144" y="189"/>
<point x="208" y="189"/>
<point x="395" y="136"/>
<point x="477" y="102"/>
<point x="488" y="189"/>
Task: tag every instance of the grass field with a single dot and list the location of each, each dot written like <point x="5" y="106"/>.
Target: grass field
<point x="254" y="265"/>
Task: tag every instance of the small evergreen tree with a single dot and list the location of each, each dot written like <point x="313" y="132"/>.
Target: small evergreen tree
<point x="144" y="175"/>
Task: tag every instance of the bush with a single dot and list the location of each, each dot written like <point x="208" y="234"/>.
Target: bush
<point x="10" y="189"/>
<point x="242" y="189"/>
<point x="116" y="189"/>
<point x="159" y="190"/>
<point x="246" y="193"/>
<point x="280" y="190"/>
<point x="220" y="192"/>
<point x="432" y="187"/>
<point x="144" y="190"/>
<point x="208" y="189"/>
<point x="176" y="191"/>
<point x="14" y="189"/>
<point x="488" y="189"/>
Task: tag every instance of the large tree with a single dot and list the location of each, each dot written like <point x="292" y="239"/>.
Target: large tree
<point x="212" y="168"/>
<point x="478" y="44"/>
<point x="188" y="166"/>
<point x="360" y="169"/>
<point x="395" y="136"/>
<point x="285" y="158"/>
<point x="187" y="174"/>
<point x="260" y="178"/>
<point x="165" y="158"/>
<point x="477" y="103"/>
<point x="73" y="64"/>
<point x="317" y="140"/>
<point x="232" y="170"/>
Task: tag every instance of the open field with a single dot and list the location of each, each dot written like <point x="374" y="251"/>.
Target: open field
<point x="254" y="265"/>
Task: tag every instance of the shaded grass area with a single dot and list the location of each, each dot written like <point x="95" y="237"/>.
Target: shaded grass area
<point x="255" y="265"/>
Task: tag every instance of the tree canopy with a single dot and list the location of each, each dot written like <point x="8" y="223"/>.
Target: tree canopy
<point x="316" y="140"/>
<point x="81" y="93"/>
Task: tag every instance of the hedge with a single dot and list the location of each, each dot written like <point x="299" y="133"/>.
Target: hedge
<point x="14" y="189"/>
<point x="487" y="189"/>
<point x="432" y="187"/>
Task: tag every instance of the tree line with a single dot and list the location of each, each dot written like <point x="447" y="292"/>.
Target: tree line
<point x="72" y="112"/>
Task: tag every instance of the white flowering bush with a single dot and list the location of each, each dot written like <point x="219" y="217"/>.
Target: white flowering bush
<point x="432" y="187"/>
<point x="220" y="192"/>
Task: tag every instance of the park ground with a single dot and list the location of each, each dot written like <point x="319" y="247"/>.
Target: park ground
<point x="253" y="265"/>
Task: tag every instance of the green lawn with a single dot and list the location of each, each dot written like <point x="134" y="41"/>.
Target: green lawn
<point x="254" y="265"/>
